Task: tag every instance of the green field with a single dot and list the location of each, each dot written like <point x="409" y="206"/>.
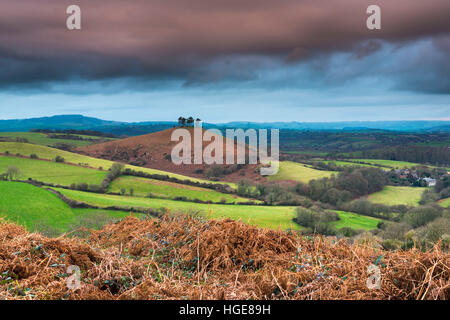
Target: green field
<point x="43" y="139"/>
<point x="298" y="172"/>
<point x="272" y="217"/>
<point x="142" y="187"/>
<point x="51" y="172"/>
<point x="444" y="202"/>
<point x="44" y="152"/>
<point x="47" y="212"/>
<point x="40" y="210"/>
<point x="356" y="221"/>
<point x="397" y="195"/>
<point x="263" y="216"/>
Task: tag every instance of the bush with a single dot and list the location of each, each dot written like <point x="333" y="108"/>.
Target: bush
<point x="390" y="244"/>
<point x="396" y="231"/>
<point x="434" y="231"/>
<point x="244" y="188"/>
<point x="420" y="216"/>
<point x="96" y="188"/>
<point x="317" y="221"/>
<point x="59" y="159"/>
<point x="82" y="186"/>
<point x="22" y="140"/>
<point x="445" y="193"/>
<point x="348" y="232"/>
<point x="329" y="216"/>
<point x="306" y="218"/>
<point x="325" y="229"/>
<point x="429" y="196"/>
<point x="381" y="225"/>
<point x="12" y="172"/>
<point x="215" y="172"/>
<point x="64" y="146"/>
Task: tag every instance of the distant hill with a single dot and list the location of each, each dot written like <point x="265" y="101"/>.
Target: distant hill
<point x="140" y="128"/>
<point x="55" y="122"/>
<point x="443" y="128"/>
<point x="348" y="125"/>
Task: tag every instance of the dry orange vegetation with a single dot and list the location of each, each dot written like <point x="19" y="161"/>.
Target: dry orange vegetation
<point x="184" y="257"/>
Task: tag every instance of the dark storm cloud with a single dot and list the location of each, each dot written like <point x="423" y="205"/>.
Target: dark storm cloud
<point x="204" y="41"/>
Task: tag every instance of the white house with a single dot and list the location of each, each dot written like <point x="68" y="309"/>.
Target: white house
<point x="430" y="182"/>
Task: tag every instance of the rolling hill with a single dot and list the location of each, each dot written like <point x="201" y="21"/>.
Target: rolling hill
<point x="51" y="140"/>
<point x="51" y="172"/>
<point x="153" y="151"/>
<point x="391" y="195"/>
<point x="293" y="171"/>
<point x="27" y="149"/>
<point x="46" y="213"/>
<point x="54" y="122"/>
<point x="144" y="187"/>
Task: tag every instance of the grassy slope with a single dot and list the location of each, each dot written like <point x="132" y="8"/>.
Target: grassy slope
<point x="263" y="216"/>
<point x="43" y="139"/>
<point x="39" y="209"/>
<point x="142" y="187"/>
<point x="397" y="195"/>
<point x="51" y="172"/>
<point x="356" y="221"/>
<point x="46" y="210"/>
<point x="298" y="172"/>
<point x="50" y="153"/>
<point x="444" y="202"/>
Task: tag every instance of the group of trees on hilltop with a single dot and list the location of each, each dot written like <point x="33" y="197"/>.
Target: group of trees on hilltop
<point x="187" y="122"/>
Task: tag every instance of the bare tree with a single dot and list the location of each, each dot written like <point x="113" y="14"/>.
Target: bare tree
<point x="12" y="172"/>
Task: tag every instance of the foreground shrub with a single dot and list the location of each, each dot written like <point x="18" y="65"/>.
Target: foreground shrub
<point x="163" y="258"/>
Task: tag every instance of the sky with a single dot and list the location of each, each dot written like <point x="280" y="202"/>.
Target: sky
<point x="234" y="60"/>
